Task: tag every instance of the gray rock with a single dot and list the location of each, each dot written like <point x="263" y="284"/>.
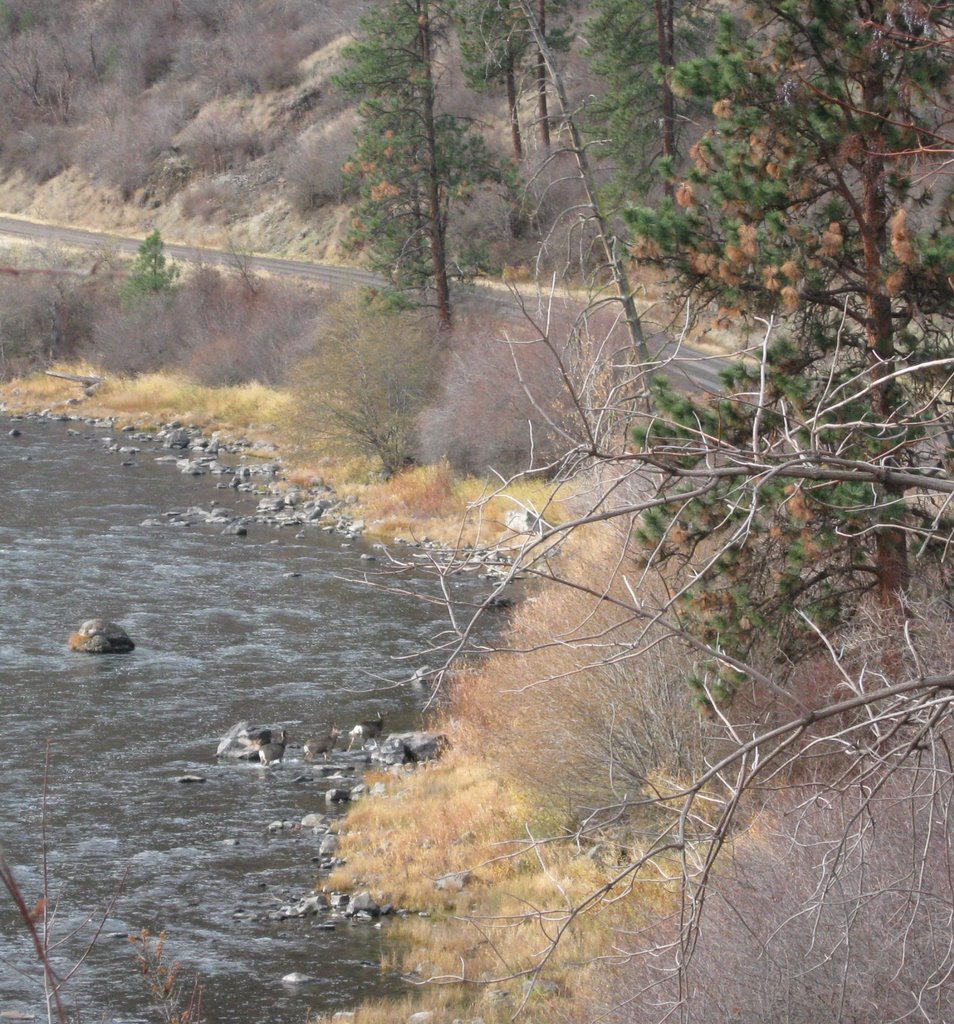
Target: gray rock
<point x="312" y="905"/>
<point x="180" y="438"/>
<point x="98" y="636"/>
<point x="421" y="1017"/>
<point x="410" y="748"/>
<point x="329" y="845"/>
<point x="337" y="796"/>
<point x="362" y="903"/>
<point x="297" y="978"/>
<point x="313" y="821"/>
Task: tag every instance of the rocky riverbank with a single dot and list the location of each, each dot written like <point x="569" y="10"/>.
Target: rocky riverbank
<point x="444" y="828"/>
<point x="257" y="468"/>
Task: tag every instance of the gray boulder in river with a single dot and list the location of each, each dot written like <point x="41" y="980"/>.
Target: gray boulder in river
<point x="97" y="636"/>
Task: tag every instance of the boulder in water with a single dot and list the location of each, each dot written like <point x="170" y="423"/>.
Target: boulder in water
<point x="97" y="636"/>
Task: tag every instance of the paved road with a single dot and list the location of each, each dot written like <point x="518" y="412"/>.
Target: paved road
<point x="691" y="368"/>
<point x="344" y="277"/>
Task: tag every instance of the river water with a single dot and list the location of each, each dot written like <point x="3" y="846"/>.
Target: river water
<point x="224" y="632"/>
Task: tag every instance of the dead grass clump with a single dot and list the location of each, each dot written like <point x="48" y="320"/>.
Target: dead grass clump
<point x="452" y="817"/>
<point x="584" y="709"/>
<point x="162" y="396"/>
<point x="432" y="501"/>
<point x="460" y="816"/>
<point x="419" y="493"/>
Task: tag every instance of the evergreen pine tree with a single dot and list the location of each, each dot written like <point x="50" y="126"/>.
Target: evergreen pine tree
<point x="412" y="161"/>
<point x="634" y="47"/>
<point x="151" y="273"/>
<point x="803" y="207"/>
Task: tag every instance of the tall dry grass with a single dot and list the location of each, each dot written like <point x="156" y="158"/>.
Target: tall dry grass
<point x="435" y="502"/>
<point x="582" y="706"/>
<point x="475" y="951"/>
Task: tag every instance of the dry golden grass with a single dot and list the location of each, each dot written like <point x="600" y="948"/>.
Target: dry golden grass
<point x="154" y="398"/>
<point x="573" y="709"/>
<point x="461" y="816"/>
<point x="430" y="501"/>
<point x="165" y="396"/>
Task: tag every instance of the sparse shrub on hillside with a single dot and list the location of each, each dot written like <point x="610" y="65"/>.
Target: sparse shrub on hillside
<point x="313" y="166"/>
<point x="124" y="146"/>
<point x="41" y="153"/>
<point x="371" y="373"/>
<point x="213" y="201"/>
<point x="121" y="79"/>
<point x="218" y="141"/>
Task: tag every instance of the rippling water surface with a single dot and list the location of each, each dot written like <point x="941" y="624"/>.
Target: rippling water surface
<point x="222" y="635"/>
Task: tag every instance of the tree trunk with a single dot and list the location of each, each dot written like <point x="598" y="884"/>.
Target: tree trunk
<point x="542" y="113"/>
<point x="891" y="543"/>
<point x="665" y="39"/>
<point x="435" y="214"/>
<point x="514" y="119"/>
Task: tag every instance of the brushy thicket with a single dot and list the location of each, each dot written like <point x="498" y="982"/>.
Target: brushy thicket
<point x="572" y="708"/>
<point x="108" y="86"/>
<point x="835" y="907"/>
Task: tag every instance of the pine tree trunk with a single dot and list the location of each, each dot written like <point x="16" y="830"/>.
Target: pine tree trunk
<point x="542" y="112"/>
<point x="891" y="544"/>
<point x="435" y="214"/>
<point x="665" y="37"/>
<point x="514" y="119"/>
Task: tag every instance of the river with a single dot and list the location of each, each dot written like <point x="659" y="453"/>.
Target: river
<point x="266" y="628"/>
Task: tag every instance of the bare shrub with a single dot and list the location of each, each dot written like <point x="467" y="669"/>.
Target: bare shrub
<point x="41" y="151"/>
<point x="253" y="48"/>
<point x="371" y="373"/>
<point x="214" y="201"/>
<point x="218" y="141"/>
<point x="497" y="408"/>
<point x="313" y="166"/>
<point x="835" y="907"/>
<point x="552" y="203"/>
<point x="123" y="149"/>
<point x="138" y="338"/>
<point x="240" y="334"/>
<point x="43" y="317"/>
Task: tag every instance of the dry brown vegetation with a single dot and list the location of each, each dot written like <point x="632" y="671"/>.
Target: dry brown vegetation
<point x="486" y="937"/>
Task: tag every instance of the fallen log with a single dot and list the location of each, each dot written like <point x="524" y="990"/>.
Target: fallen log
<point x="76" y="378"/>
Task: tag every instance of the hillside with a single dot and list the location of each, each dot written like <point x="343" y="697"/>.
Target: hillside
<point x="218" y="124"/>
